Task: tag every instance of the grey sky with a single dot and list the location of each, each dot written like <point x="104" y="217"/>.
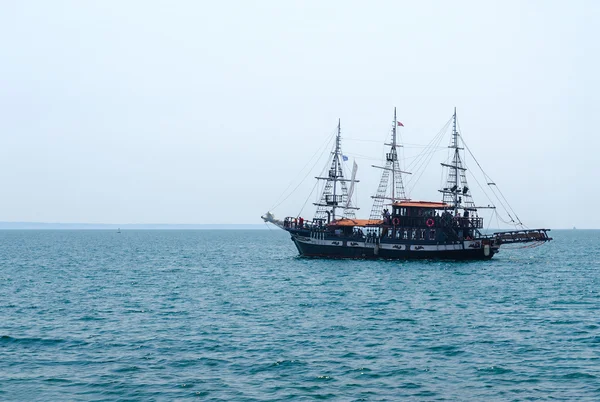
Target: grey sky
<point x="203" y="112"/>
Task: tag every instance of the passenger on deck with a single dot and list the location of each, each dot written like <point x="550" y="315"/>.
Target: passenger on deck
<point x="456" y="219"/>
<point x="387" y="215"/>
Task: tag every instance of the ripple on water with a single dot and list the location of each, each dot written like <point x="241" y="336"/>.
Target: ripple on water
<point x="234" y="315"/>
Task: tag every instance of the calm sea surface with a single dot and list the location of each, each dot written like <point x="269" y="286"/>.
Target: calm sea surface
<point x="236" y="315"/>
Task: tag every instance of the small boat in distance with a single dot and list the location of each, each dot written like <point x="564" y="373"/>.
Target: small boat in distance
<point x="118" y="230"/>
<point x="399" y="227"/>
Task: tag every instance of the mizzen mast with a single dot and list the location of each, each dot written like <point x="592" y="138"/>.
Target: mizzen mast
<point x="456" y="192"/>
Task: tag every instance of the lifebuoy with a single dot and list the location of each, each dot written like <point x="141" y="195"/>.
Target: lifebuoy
<point x="395" y="221"/>
<point x="430" y="222"/>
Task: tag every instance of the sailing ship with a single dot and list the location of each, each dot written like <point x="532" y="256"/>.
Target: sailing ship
<point x="399" y="227"/>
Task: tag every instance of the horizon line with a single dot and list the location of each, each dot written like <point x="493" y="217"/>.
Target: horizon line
<point x="77" y="225"/>
<point x="41" y="225"/>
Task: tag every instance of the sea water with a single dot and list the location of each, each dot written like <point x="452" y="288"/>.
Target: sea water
<point x="237" y="315"/>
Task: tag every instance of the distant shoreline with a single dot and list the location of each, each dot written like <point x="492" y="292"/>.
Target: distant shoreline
<point x="155" y="226"/>
<point x="130" y="226"/>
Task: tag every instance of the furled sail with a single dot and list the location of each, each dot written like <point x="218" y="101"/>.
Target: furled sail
<point x="352" y="181"/>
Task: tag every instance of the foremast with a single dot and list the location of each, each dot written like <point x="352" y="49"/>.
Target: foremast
<point x="387" y="194"/>
<point x="335" y="194"/>
<point x="456" y="192"/>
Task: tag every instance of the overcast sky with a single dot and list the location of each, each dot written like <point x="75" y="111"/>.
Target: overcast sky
<point x="205" y="111"/>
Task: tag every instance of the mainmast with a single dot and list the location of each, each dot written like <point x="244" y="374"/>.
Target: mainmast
<point x="335" y="196"/>
<point x="392" y="165"/>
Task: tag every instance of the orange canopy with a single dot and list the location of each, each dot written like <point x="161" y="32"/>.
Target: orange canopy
<point x="422" y="204"/>
<point x="355" y="222"/>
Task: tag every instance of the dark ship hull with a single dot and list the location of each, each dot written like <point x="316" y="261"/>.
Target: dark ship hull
<point x="331" y="247"/>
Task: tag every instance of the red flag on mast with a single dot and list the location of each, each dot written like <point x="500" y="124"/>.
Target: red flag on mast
<point x="400" y="124"/>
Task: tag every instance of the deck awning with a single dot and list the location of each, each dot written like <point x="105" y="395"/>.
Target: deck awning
<point x="422" y="204"/>
<point x="355" y="222"/>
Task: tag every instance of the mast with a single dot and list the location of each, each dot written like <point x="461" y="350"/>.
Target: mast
<point x="392" y="165"/>
<point x="336" y="160"/>
<point x="335" y="192"/>
<point x="393" y="149"/>
<point x="456" y="192"/>
<point x="456" y="158"/>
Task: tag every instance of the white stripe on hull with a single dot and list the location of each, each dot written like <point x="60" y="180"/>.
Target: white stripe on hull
<point x="321" y="242"/>
<point x="466" y="245"/>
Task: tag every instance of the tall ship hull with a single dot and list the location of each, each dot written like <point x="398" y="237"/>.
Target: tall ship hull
<point x="312" y="246"/>
<point x="400" y="228"/>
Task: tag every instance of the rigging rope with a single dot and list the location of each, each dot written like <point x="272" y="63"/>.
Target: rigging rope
<point x="507" y="208"/>
<point x="307" y="198"/>
<point x="424" y="158"/>
<point x="400" y="143"/>
<point x="430" y="145"/>
<point x="359" y="156"/>
<point x="421" y="169"/>
<point x="325" y="147"/>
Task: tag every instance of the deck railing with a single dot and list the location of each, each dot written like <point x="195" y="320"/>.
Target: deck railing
<point x="436" y="222"/>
